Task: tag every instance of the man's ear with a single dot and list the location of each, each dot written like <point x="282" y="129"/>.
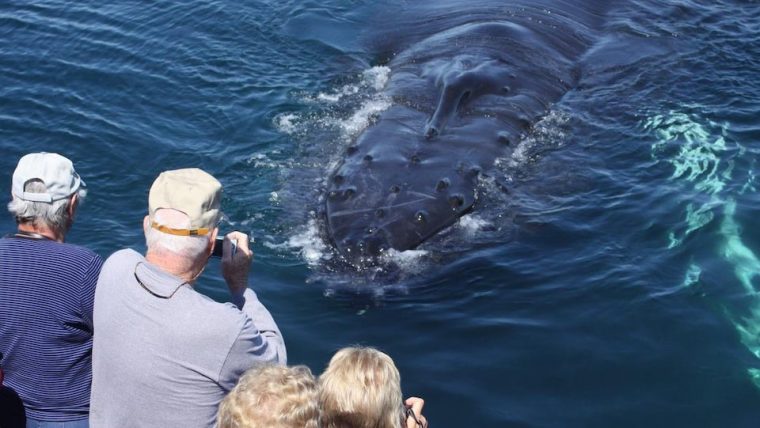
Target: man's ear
<point x="73" y="202"/>
<point x="212" y="240"/>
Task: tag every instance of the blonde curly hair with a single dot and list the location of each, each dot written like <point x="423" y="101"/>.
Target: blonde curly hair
<point x="272" y="396"/>
<point x="361" y="388"/>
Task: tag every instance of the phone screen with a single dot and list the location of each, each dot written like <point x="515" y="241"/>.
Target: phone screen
<point x="218" y="247"/>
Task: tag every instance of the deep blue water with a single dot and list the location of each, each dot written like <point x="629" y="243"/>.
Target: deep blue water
<point x="614" y="285"/>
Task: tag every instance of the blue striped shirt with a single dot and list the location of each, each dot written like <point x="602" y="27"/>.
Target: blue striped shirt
<point x="46" y="296"/>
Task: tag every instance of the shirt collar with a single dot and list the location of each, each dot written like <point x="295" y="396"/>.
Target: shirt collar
<point x="157" y="282"/>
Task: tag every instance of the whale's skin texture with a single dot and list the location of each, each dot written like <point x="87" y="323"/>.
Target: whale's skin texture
<point x="461" y="98"/>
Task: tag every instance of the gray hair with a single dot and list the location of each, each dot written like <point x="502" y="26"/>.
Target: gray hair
<point x="186" y="246"/>
<point x="54" y="215"/>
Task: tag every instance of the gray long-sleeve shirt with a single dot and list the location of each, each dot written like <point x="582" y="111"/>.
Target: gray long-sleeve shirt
<point x="165" y="355"/>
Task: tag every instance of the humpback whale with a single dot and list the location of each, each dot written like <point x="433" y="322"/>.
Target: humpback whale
<point x="461" y="97"/>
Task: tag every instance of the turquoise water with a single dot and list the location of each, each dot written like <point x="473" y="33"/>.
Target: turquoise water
<point x="615" y="284"/>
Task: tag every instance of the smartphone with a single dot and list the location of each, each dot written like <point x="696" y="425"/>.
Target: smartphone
<point x="219" y="246"/>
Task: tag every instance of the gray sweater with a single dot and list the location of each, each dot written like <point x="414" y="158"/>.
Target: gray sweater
<point x="165" y="355"/>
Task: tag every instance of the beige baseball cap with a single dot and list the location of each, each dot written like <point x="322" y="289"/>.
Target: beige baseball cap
<point x="191" y="191"/>
<point x="55" y="171"/>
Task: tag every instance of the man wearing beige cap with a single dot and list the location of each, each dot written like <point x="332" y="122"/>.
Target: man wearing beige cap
<point x="164" y="354"/>
<point x="46" y="295"/>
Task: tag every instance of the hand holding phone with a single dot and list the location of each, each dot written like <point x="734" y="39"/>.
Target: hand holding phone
<point x="236" y="264"/>
<point x="219" y="246"/>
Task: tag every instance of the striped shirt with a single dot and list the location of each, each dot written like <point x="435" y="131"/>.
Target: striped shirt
<point x="46" y="296"/>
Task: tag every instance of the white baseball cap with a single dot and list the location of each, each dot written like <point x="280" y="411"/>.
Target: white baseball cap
<point x="192" y="191"/>
<point x="54" y="170"/>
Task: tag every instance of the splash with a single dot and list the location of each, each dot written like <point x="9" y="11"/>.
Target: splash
<point x="286" y="123"/>
<point x="362" y="118"/>
<point x="548" y="133"/>
<point x="307" y="242"/>
<point x="374" y="78"/>
<point x="342" y="113"/>
<point x="472" y="224"/>
<point x="363" y="99"/>
<point x="374" y="81"/>
<point x="409" y="261"/>
<point x="377" y="77"/>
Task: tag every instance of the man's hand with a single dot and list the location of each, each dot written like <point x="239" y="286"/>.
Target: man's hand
<point x="415" y="418"/>
<point x="235" y="267"/>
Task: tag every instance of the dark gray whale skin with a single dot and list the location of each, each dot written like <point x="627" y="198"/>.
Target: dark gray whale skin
<point x="460" y="98"/>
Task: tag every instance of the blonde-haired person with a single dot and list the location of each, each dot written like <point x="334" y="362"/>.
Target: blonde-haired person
<point x="272" y="396"/>
<point x="361" y="387"/>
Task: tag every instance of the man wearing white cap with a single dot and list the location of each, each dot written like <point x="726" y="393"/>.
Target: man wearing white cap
<point x="166" y="355"/>
<point x="46" y="295"/>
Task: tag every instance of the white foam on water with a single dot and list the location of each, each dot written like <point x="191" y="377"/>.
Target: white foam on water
<point x="549" y="132"/>
<point x="409" y="261"/>
<point x="373" y="102"/>
<point x="362" y="118"/>
<point x="364" y="100"/>
<point x="347" y="110"/>
<point x="372" y="79"/>
<point x="286" y="123"/>
<point x="377" y="77"/>
<point x="338" y="94"/>
<point x="472" y="224"/>
<point x="261" y="160"/>
<point x="330" y="98"/>
<point x="307" y="242"/>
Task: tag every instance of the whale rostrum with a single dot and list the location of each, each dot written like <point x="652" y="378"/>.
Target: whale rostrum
<point x="461" y="98"/>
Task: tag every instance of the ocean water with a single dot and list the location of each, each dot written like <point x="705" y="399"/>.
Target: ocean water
<point x="614" y="285"/>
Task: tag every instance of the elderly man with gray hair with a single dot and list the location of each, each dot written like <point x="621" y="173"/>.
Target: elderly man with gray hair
<point x="166" y="355"/>
<point x="46" y="295"/>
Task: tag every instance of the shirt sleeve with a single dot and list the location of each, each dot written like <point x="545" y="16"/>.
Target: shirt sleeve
<point x="89" y="280"/>
<point x="259" y="341"/>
